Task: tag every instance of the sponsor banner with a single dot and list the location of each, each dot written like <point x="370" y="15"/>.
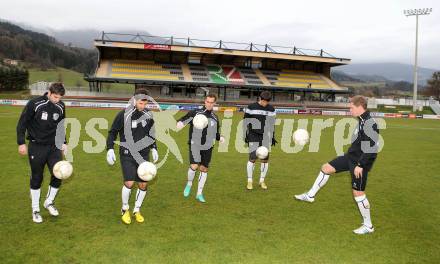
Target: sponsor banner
<point x="157" y="47"/>
<point x="94" y="104"/>
<point x="187" y="107"/>
<point x="431" y="117"/>
<point x="316" y="112"/>
<point x="153" y="106"/>
<point x="284" y="111"/>
<point x="227" y="108"/>
<point x="13" y="102"/>
<point x="7" y="102"/>
<point x="377" y="114"/>
<point x="309" y="112"/>
<point x="169" y="107"/>
<point x="392" y="115"/>
<point x="336" y="113"/>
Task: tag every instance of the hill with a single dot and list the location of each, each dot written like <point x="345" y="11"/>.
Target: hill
<point x="386" y="71"/>
<point x="40" y="50"/>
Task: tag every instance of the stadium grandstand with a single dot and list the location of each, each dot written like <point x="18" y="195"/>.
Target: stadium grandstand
<point x="188" y="68"/>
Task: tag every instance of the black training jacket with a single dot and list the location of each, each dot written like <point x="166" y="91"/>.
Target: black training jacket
<point x="209" y="134"/>
<point x="40" y="118"/>
<point x="365" y="142"/>
<point x="265" y="118"/>
<point x="141" y="125"/>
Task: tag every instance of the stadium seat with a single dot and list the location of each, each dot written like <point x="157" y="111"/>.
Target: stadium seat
<point x="296" y="78"/>
<point x="144" y="70"/>
<point x="212" y="73"/>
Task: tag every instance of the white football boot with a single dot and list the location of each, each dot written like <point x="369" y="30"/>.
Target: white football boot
<point x="305" y="197"/>
<point x="363" y="230"/>
<point x="53" y="211"/>
<point x="36" y="217"/>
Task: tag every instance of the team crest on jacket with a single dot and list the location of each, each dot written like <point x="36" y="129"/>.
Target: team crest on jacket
<point x="212" y="123"/>
<point x="56" y="116"/>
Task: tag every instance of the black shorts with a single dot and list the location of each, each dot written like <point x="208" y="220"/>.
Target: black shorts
<point x="200" y="156"/>
<point x="129" y="167"/>
<point x="343" y="163"/>
<point x="39" y="156"/>
<point x="253" y="150"/>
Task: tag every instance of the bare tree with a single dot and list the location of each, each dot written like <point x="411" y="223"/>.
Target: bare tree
<point x="433" y="88"/>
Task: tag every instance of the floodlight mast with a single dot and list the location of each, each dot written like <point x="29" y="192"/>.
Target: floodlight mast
<point x="416" y="13"/>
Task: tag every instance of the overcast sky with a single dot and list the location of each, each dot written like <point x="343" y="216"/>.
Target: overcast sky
<point x="365" y="31"/>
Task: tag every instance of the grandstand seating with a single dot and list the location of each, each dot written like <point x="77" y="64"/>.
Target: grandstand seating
<point x="294" y="78"/>
<point x="147" y="70"/>
<point x="233" y="75"/>
<point x="212" y="74"/>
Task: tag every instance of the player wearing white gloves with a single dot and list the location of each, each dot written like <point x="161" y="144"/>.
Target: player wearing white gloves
<point x="135" y="126"/>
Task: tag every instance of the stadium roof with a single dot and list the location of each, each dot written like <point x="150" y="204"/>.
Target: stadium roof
<point x="152" y="60"/>
<point x="190" y="45"/>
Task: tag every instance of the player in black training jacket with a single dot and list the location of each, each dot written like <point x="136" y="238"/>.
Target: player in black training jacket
<point x="135" y="127"/>
<point x="259" y="129"/>
<point x="358" y="161"/>
<point x="40" y="119"/>
<point x="201" y="143"/>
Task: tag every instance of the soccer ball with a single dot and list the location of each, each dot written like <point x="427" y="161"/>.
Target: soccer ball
<point x="301" y="137"/>
<point x="262" y="152"/>
<point x="147" y="171"/>
<point x="200" y="121"/>
<point x="62" y="169"/>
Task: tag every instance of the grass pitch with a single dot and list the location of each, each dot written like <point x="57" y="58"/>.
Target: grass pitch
<point x="236" y="225"/>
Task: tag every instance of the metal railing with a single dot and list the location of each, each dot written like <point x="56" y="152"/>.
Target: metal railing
<point x="220" y="44"/>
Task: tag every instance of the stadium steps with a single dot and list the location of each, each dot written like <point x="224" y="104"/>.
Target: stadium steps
<point x="262" y="77"/>
<point x="104" y="69"/>
<point x="435" y="106"/>
<point x="332" y="83"/>
<point x="187" y="73"/>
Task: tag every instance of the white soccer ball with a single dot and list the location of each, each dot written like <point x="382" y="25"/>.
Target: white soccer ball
<point x="62" y="169"/>
<point x="262" y="152"/>
<point x="200" y="121"/>
<point x="301" y="137"/>
<point x="147" y="171"/>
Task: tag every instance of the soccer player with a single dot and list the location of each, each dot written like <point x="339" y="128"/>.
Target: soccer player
<point x="259" y="129"/>
<point x="358" y="161"/>
<point x="201" y="143"/>
<point x="40" y="118"/>
<point x="135" y="127"/>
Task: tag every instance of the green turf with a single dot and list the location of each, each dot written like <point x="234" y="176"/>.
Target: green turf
<point x="68" y="77"/>
<point x="21" y="95"/>
<point x="404" y="109"/>
<point x="235" y="226"/>
<point x="71" y="78"/>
